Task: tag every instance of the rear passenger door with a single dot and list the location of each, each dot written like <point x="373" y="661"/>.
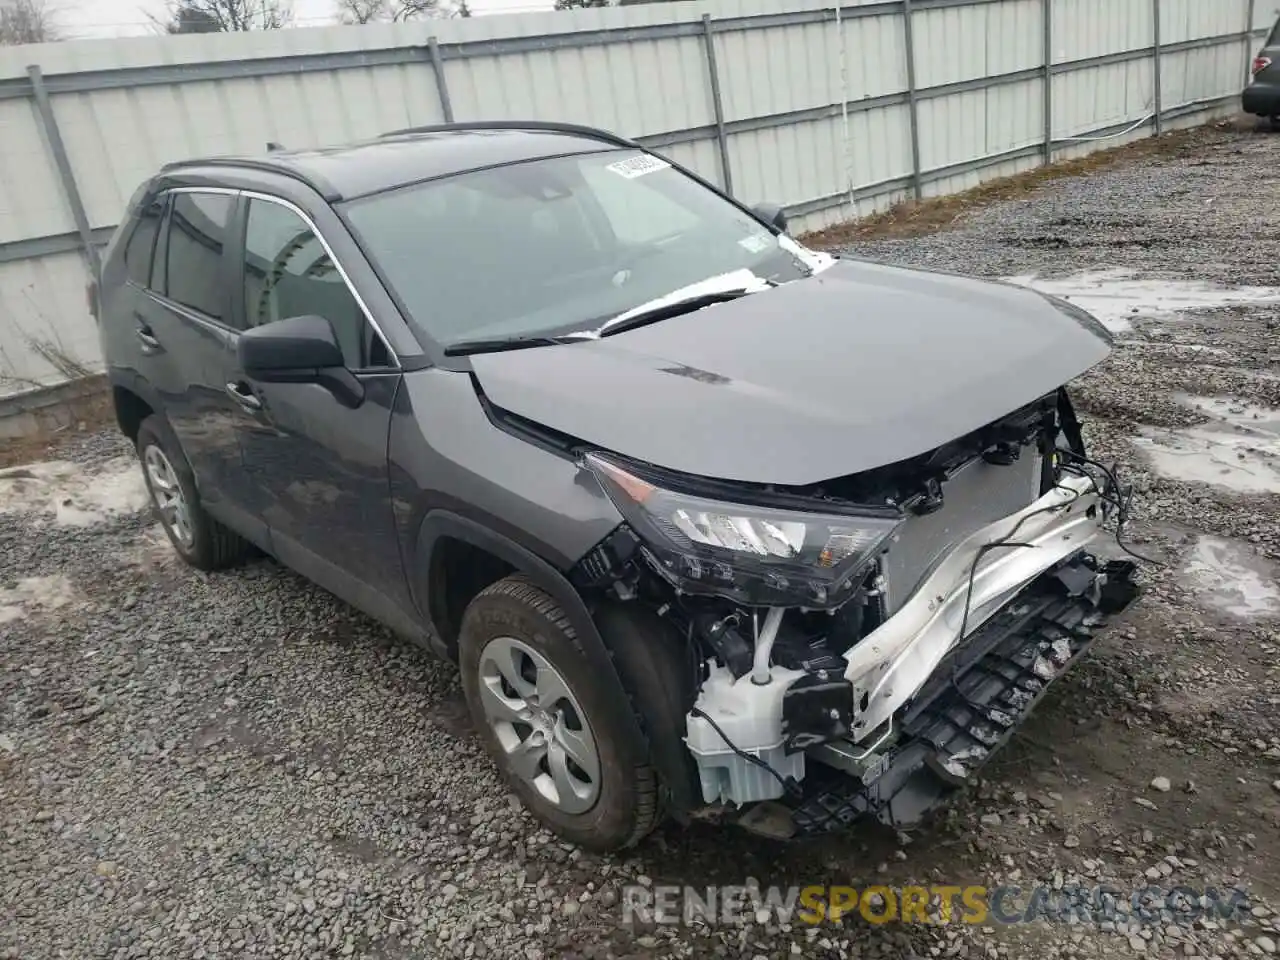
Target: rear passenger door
<point x="318" y="468"/>
<point x="185" y="327"/>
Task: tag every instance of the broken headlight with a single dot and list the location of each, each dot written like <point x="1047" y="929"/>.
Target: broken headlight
<point x="755" y="554"/>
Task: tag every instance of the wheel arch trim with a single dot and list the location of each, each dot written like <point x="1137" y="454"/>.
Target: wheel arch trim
<point x="439" y="524"/>
<point x="136" y="384"/>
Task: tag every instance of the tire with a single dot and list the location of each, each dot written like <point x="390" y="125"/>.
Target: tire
<point x="534" y="721"/>
<point x="653" y="662"/>
<point x="1274" y="123"/>
<point x="200" y="540"/>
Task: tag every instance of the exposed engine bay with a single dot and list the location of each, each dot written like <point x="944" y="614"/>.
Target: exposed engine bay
<point x="829" y="627"/>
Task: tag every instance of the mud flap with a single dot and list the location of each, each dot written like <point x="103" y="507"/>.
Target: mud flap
<point x="974" y="702"/>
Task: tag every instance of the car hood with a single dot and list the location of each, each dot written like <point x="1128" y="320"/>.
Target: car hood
<point x="853" y="368"/>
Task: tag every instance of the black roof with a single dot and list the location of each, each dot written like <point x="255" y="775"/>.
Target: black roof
<point x="418" y="154"/>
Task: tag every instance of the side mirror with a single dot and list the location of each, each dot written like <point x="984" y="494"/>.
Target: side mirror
<point x="299" y="350"/>
<point x="772" y="214"/>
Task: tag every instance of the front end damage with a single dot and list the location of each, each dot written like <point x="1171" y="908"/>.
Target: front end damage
<point x="863" y="646"/>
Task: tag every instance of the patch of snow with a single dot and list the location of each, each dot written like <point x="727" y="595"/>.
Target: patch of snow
<point x="815" y="260"/>
<point x="71" y="496"/>
<point x="1215" y="454"/>
<point x="1253" y="374"/>
<point x="1232" y="577"/>
<point x="1115" y="297"/>
<point x="734" y="280"/>
<point x="1173" y="347"/>
<point x="34" y="593"/>
<point x="1246" y="417"/>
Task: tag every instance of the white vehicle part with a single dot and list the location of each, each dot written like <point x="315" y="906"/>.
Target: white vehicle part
<point x="750" y="716"/>
<point x="891" y="663"/>
<point x="764" y="645"/>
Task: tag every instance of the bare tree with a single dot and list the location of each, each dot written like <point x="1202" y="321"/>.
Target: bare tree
<point x="402" y="10"/>
<point x="362" y="11"/>
<point x="191" y="20"/>
<point x="583" y="4"/>
<point x="399" y="11"/>
<point x="226" y="16"/>
<point x="26" y="21"/>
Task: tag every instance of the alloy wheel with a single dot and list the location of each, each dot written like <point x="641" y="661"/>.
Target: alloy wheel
<point x="539" y="724"/>
<point x="166" y="493"/>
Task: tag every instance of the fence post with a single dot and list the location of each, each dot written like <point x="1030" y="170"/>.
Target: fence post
<point x="913" y="107"/>
<point x="1248" y="43"/>
<point x="442" y="88"/>
<point x="1159" y="77"/>
<point x="722" y="142"/>
<point x="70" y="190"/>
<point x="1048" y="82"/>
<point x="846" y="152"/>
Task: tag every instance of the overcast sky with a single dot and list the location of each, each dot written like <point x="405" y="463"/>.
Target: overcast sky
<point x="117" y="18"/>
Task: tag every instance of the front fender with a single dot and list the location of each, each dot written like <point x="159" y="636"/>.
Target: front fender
<point x="442" y="523"/>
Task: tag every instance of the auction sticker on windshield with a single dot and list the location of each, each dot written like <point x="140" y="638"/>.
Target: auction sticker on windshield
<point x="638" y="166"/>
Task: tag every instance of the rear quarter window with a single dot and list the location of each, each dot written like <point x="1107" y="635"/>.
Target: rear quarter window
<point x="142" y="241"/>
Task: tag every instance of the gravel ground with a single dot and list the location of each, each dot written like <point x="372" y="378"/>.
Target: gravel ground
<point x="238" y="765"/>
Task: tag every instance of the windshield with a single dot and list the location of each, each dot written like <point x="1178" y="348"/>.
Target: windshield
<point x="554" y="246"/>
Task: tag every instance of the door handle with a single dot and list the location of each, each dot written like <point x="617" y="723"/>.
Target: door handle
<point x="240" y="395"/>
<point x="149" y="343"/>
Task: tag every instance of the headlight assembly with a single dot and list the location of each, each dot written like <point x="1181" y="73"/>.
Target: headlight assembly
<point x="757" y="555"/>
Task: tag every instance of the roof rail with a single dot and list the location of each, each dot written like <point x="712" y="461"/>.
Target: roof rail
<point x="319" y="184"/>
<point x="591" y="133"/>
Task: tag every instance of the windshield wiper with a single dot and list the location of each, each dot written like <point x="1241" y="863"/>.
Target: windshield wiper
<point x="686" y="299"/>
<point x="464" y="348"/>
<point x="671" y="308"/>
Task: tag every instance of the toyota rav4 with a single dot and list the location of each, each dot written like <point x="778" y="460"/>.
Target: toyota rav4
<point x="713" y="524"/>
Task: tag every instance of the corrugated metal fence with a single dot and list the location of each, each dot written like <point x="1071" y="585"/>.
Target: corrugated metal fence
<point x="833" y="111"/>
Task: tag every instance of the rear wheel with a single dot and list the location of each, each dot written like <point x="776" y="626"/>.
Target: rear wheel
<point x="544" y="720"/>
<point x="199" y="539"/>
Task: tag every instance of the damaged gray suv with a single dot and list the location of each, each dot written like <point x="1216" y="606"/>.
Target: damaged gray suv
<point x="714" y="525"/>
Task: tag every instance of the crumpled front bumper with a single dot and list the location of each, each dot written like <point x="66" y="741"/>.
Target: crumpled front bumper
<point x="931" y="706"/>
<point x="970" y="585"/>
<point x="970" y="707"/>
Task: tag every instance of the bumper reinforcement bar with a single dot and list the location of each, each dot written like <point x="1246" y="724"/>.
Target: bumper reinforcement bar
<point x="971" y="705"/>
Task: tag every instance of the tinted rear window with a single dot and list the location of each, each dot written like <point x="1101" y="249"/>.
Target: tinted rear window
<point x="137" y="255"/>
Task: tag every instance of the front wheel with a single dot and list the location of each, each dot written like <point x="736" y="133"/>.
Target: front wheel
<point x="544" y="721"/>
<point x="199" y="539"/>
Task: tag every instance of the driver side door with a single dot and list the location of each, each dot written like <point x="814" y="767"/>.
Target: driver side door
<point x="316" y="466"/>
